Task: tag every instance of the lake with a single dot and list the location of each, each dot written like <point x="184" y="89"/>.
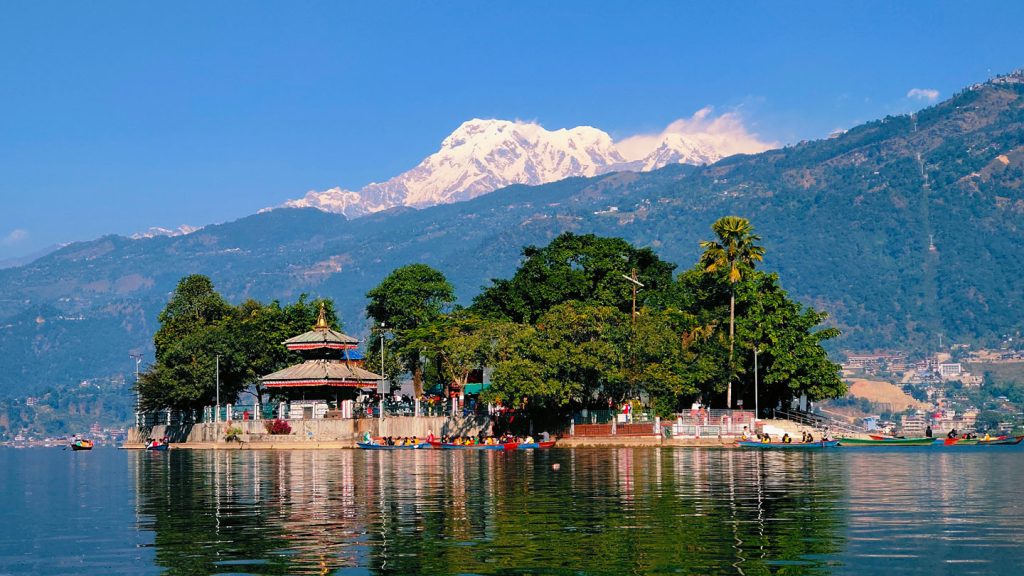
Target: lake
<point x="930" y="510"/>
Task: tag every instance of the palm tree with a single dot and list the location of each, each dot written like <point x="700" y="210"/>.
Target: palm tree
<point x="735" y="251"/>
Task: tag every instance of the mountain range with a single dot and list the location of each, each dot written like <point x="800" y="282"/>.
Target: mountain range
<point x="902" y="229"/>
<point x="484" y="155"/>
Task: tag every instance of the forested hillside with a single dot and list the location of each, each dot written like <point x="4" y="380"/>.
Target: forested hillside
<point x="900" y="229"/>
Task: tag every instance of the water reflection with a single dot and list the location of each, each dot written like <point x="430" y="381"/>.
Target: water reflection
<point x="639" y="511"/>
<point x="434" y="512"/>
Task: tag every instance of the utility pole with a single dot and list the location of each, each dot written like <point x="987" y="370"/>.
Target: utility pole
<point x="216" y="417"/>
<point x="632" y="333"/>
<point x="636" y="284"/>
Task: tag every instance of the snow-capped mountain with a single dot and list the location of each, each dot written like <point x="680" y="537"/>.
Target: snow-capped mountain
<point x="484" y="155"/>
<point x="155" y="231"/>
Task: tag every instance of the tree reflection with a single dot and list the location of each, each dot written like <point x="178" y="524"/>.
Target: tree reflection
<point x="447" y="512"/>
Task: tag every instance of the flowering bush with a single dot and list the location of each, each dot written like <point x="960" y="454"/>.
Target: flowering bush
<point x="232" y="434"/>
<point x="277" y="427"/>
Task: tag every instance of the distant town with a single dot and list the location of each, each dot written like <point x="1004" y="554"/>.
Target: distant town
<point x="101" y="436"/>
<point x="959" y="389"/>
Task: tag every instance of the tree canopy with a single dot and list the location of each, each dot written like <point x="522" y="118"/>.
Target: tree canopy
<point x="200" y="332"/>
<point x="409" y="298"/>
<point x="557" y="336"/>
<point x="582" y="268"/>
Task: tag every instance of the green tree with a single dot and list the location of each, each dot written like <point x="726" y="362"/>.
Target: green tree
<point x="410" y="297"/>
<point x="735" y="253"/>
<point x="200" y="332"/>
<point x="789" y="337"/>
<point x="582" y="268"/>
<point x="256" y="332"/>
<point x="190" y="337"/>
<point x="574" y="355"/>
<point x="666" y="367"/>
<point x="193" y="306"/>
<point x="458" y="343"/>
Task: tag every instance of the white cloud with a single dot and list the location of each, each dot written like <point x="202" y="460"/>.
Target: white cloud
<point x="14" y="237"/>
<point x="927" y="94"/>
<point x="726" y="133"/>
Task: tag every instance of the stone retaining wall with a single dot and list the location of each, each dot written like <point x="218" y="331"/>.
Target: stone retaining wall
<point x="315" y="430"/>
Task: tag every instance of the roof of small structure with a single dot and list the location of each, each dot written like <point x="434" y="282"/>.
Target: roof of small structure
<point x="321" y="336"/>
<point x="321" y="372"/>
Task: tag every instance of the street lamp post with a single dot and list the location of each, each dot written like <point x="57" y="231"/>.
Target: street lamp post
<point x="756" y="412"/>
<point x="382" y="326"/>
<point x="216" y="417"/>
<point x="138" y="394"/>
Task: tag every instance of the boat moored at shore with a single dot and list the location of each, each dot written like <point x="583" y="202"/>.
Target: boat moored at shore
<point x="787" y="445"/>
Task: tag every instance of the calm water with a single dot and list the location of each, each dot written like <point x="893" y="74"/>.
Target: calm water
<point x="605" y="511"/>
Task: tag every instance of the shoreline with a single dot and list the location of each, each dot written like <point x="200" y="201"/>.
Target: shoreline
<point x="574" y="442"/>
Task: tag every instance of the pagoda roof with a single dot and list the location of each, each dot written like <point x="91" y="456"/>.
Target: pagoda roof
<point x="321" y="336"/>
<point x="326" y="338"/>
<point x="321" y="372"/>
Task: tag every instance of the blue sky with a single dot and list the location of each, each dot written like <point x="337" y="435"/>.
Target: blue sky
<point x="121" y="116"/>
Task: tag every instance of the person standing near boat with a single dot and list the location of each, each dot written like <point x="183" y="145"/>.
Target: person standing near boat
<point x="928" y="431"/>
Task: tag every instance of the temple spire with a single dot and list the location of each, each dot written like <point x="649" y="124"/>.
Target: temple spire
<point x="321" y="322"/>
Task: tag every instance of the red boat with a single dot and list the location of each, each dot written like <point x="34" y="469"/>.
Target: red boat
<point x="532" y="445"/>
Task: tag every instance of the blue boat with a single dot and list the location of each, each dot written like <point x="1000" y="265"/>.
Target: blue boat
<point x="788" y="445"/>
<point x="372" y="446"/>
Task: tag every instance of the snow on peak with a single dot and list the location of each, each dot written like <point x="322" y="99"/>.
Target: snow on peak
<point x="155" y="231"/>
<point x="483" y="155"/>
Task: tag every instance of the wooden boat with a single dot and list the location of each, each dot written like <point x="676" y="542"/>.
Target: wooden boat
<point x="886" y="442"/>
<point x="157" y="446"/>
<point x="532" y="445"/>
<point x="449" y="446"/>
<point x="878" y="437"/>
<point x="82" y="445"/>
<point x="1001" y="441"/>
<point x="959" y="441"/>
<point x="375" y="446"/>
<point x="788" y="445"/>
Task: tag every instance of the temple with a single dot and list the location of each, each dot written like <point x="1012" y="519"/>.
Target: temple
<point x="329" y="379"/>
